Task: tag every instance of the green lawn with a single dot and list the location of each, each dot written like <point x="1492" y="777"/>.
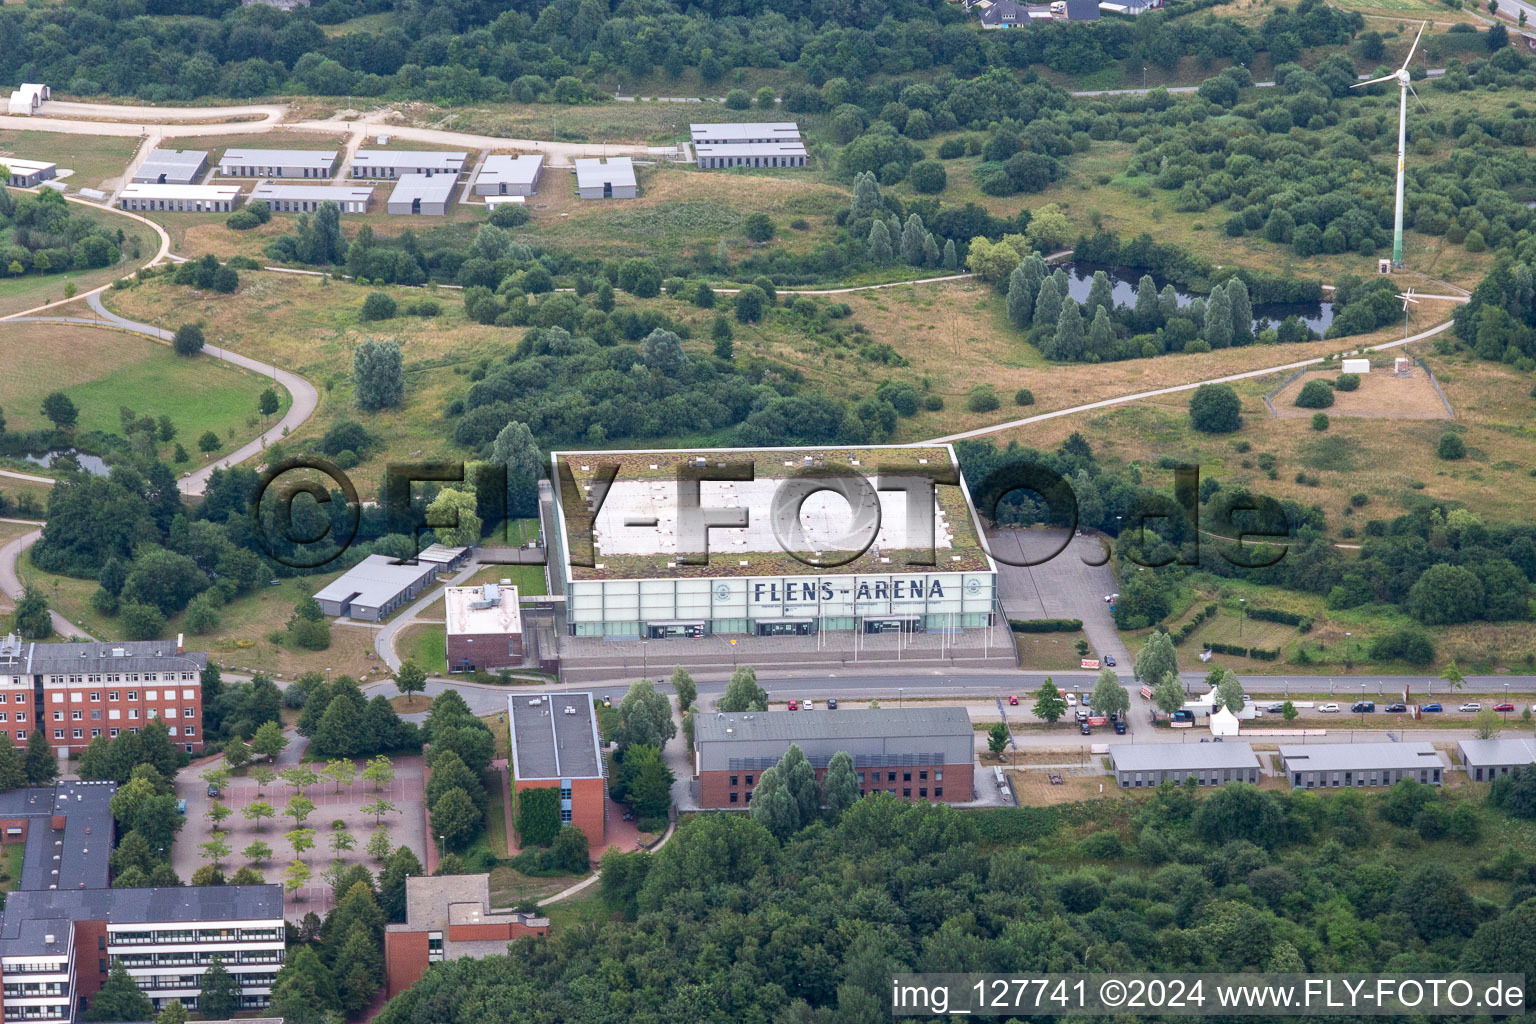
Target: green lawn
<point x="10" y="865"/>
<point x="426" y="644"/>
<point x="93" y="158"/>
<point x="30" y="290"/>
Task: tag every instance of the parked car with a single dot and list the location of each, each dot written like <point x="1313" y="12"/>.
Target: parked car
<point x="1363" y="707"/>
<point x="1119" y="724"/>
<point x="1080" y="715"/>
<point x="1275" y="708"/>
<point x="1431" y="708"/>
<point x="1182" y="715"/>
<point x="1085" y="729"/>
<point x="1395" y="709"/>
<point x="1328" y="709"/>
<point x="1470" y="705"/>
<point x="181" y="806"/>
<point x="1071" y="700"/>
<point x="794" y="705"/>
<point x="1505" y="706"/>
<point x="1109" y="661"/>
<point x="1013" y="701"/>
<point x="810" y="705"/>
<point x="831" y="703"/>
<point x="213" y="790"/>
<point x="607" y="701"/>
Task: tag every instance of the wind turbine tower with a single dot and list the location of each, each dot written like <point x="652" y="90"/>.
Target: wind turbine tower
<point x="1405" y="86"/>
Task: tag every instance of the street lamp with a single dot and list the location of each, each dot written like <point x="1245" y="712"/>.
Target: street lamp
<point x="901" y="692"/>
<point x="1348" y="650"/>
<point x="1506" y="701"/>
<point x="1242" y="607"/>
<point x="645" y="659"/>
<point x="442" y="846"/>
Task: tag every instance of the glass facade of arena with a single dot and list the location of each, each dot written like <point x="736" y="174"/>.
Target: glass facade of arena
<point x="779" y="605"/>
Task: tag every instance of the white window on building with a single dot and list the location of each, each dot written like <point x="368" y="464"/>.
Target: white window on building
<point x="112" y="733"/>
<point x="58" y="734"/>
<point x="114" y="714"/>
<point x="133" y="713"/>
<point x="188" y="694"/>
<point x="151" y="713"/>
<point x="170" y="712"/>
<point x="21" y="734"/>
<point x="58" y="696"/>
<point x="172" y="730"/>
<point x="189" y="731"/>
<point x="151" y="694"/>
<point x="188" y="713"/>
<point x="77" y="696"/>
<point x="112" y="695"/>
<point x="95" y="695"/>
<point x="79" y="734"/>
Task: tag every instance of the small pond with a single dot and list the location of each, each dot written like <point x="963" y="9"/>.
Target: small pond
<point x="1122" y="280"/>
<point x="92" y="464"/>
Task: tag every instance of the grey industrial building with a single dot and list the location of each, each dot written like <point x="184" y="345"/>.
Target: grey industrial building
<point x="392" y="163"/>
<point x="172" y="167"/>
<point x="184" y="198"/>
<point x="915" y="753"/>
<point x="744" y="132"/>
<point x="1330" y="765"/>
<point x="63" y="928"/>
<point x="504" y="175"/>
<point x="422" y="193"/>
<point x="1486" y="760"/>
<point x="307" y="198"/>
<point x="613" y="178"/>
<point x="1138" y="765"/>
<point x="27" y="173"/>
<point x="374" y="587"/>
<point x="713" y="156"/>
<point x="278" y="163"/>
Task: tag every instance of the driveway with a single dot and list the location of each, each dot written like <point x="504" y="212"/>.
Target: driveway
<point x="1063" y="587"/>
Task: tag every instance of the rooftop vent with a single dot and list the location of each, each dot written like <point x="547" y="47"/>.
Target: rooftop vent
<point x="118" y="652"/>
<point x="49" y="939"/>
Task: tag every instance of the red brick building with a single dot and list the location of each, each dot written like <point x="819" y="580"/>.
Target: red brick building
<point x="77" y="692"/>
<point x="555" y="744"/>
<point x="485" y="627"/>
<point x="447" y="917"/>
<point x="913" y="753"/>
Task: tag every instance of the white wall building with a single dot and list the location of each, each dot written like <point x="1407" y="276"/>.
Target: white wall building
<point x="185" y="198"/>
<point x="613" y="178"/>
<point x="506" y="175"/>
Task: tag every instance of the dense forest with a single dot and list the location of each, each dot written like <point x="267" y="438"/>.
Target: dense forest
<point x="728" y="923"/>
<point x="40" y="235"/>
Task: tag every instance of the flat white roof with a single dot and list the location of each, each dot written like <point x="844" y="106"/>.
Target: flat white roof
<point x="750" y="149"/>
<point x="373" y="582"/>
<point x="19" y="166"/>
<point x="738" y="131"/>
<point x="317" y="193"/>
<point x="1511" y="750"/>
<point x="488" y="608"/>
<point x="154" y="190"/>
<point x="494" y="201"/>
<point x="1333" y="757"/>
<point x="440" y="553"/>
<point x="434" y="188"/>
<point x="1178" y="757"/>
<point x="280" y="157"/>
<point x="594" y="173"/>
<point x="173" y="159"/>
<point x="514" y="170"/>
<point x="409" y="158"/>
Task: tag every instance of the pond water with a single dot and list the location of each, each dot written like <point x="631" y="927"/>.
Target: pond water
<point x="1122" y="280"/>
<point x="92" y="464"/>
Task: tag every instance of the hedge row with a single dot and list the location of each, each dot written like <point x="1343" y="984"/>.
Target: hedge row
<point x="1045" y="625"/>
<point x="1185" y="631"/>
<point x="1239" y="651"/>
<point x="1303" y="623"/>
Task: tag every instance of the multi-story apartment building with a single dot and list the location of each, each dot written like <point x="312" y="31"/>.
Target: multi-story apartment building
<point x="77" y="692"/>
<point x="63" y="930"/>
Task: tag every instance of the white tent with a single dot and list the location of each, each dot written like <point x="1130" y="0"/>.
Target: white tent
<point x="1223" y="722"/>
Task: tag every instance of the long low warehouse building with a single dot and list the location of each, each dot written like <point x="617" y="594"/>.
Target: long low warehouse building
<point x="27" y="173"/>
<point x="924" y="754"/>
<point x="278" y="163"/>
<point x="1330" y="765"/>
<point x="744" y="132"/>
<point x="386" y="163"/>
<point x="421" y="193"/>
<point x="713" y="156"/>
<point x="374" y="587"/>
<point x="172" y="166"/>
<point x="504" y="175"/>
<point x="186" y="198"/>
<point x="1138" y="765"/>
<point x="613" y="178"/>
<point x="1486" y="760"/>
<point x="307" y="198"/>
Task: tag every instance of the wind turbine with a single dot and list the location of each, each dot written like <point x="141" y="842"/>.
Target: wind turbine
<point x="1405" y="86"/>
<point x="1407" y="298"/>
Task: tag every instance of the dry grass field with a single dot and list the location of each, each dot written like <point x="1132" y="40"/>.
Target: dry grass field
<point x="94" y="159"/>
<point x="1381" y="396"/>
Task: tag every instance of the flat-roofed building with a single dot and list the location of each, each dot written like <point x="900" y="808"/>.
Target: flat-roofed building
<point x="172" y="166"/>
<point x="308" y="198"/>
<point x="1486" y="760"/>
<point x="374" y="587"/>
<point x="277" y="163"/>
<point x="506" y="175"/>
<point x="423" y="194"/>
<point x="914" y="753"/>
<point x="443" y="557"/>
<point x="1138" y="765"/>
<point x="1330" y="765"/>
<point x="555" y="744"/>
<point x="185" y="198"/>
<point x="713" y="156"/>
<point x="613" y="178"/>
<point x="27" y="99"/>
<point x="485" y="627"/>
<point x="447" y="917"/>
<point x="27" y="173"/>
<point x="396" y="163"/>
<point x="744" y="132"/>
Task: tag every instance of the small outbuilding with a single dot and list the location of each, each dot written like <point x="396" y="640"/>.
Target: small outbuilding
<point x="613" y="178"/>
<point x="484" y="627"/>
<point x="507" y="175"/>
<point x="27" y="99"/>
<point x="1331" y="765"/>
<point x="374" y="587"/>
<point x="1486" y="760"/>
<point x="427" y="194"/>
<point x="1139" y="765"/>
<point x="27" y="173"/>
<point x="172" y="167"/>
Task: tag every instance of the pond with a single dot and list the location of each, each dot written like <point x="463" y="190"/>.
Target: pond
<point x="1122" y="280"/>
<point x="92" y="464"/>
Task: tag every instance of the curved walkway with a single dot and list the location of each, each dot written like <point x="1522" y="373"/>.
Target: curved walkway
<point x="11" y="583"/>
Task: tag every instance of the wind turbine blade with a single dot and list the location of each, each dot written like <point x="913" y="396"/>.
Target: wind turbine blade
<point x="1415" y="45"/>
<point x="1416" y="98"/>
<point x="1375" y="81"/>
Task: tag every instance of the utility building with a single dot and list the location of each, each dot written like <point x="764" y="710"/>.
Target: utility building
<point x="713" y="156"/>
<point x="183" y="198"/>
<point x="914" y="753"/>
<point x="1330" y="765"/>
<point x="27" y="99"/>
<point x="27" y="173"/>
<point x="308" y="198"/>
<point x="744" y="132"/>
<point x="374" y="587"/>
<point x="278" y="163"/>
<point x="391" y="163"/>
<point x="485" y="627"/>
<point x="503" y="175"/>
<point x="555" y="745"/>
<point x="613" y="178"/>
<point x="422" y="193"/>
<point x="172" y="167"/>
<point x="1486" y="760"/>
<point x="1138" y="765"/>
